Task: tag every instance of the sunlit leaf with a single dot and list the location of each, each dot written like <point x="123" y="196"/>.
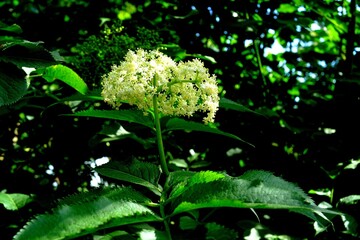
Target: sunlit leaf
<point x="66" y="75"/>
<point x="123" y="15"/>
<point x="179" y="163"/>
<point x="200" y="177"/>
<point x="333" y="34"/>
<point x="14" y="201"/>
<point x="352" y="199"/>
<point x="254" y="189"/>
<point x="353" y="164"/>
<point x="286" y="8"/>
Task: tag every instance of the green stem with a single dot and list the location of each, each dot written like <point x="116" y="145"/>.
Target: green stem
<point x="159" y="138"/>
<point x="166" y="221"/>
<point x="256" y="46"/>
<point x="261" y="70"/>
<point x="163" y="163"/>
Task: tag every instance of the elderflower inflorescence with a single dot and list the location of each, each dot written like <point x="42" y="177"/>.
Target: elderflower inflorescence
<point x="180" y="89"/>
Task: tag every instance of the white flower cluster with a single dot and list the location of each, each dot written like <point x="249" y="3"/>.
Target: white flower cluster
<point x="180" y="88"/>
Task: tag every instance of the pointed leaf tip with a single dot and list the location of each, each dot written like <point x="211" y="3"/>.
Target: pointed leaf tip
<point x="66" y="75"/>
<point x="85" y="213"/>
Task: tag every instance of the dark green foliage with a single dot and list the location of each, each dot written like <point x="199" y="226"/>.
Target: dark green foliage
<point x="216" y="231"/>
<point x="181" y="124"/>
<point x="13" y="85"/>
<point x="98" y="53"/>
<point x="88" y="212"/>
<point x="308" y="93"/>
<point x="16" y="53"/>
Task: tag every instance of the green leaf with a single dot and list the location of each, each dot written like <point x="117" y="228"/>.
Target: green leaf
<point x="114" y="131"/>
<point x="188" y="223"/>
<point x="116" y="194"/>
<point x="24" y="53"/>
<point x="13" y="84"/>
<point x="219" y="232"/>
<point x="286" y="8"/>
<point x="179" y="177"/>
<point x="134" y="116"/>
<point x="352" y="199"/>
<point x="86" y="213"/>
<point x="141" y="173"/>
<point x="229" y="104"/>
<point x="123" y="15"/>
<point x="179" y="163"/>
<point x="254" y="189"/>
<point x="197" y="178"/>
<point x="115" y="235"/>
<point x="66" y="75"/>
<point x="14" y="28"/>
<point x="91" y="95"/>
<point x="181" y="124"/>
<point x="14" y="201"/>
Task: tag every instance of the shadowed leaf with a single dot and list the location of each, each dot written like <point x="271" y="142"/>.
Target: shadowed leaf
<point x="24" y="53"/>
<point x="181" y="124"/>
<point x="141" y="173"/>
<point x="134" y="116"/>
<point x="12" y="83"/>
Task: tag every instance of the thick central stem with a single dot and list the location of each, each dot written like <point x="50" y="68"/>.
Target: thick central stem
<point x="163" y="163"/>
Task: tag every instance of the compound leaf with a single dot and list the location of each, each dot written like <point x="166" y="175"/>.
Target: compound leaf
<point x="141" y="173"/>
<point x="85" y="213"/>
<point x="255" y="189"/>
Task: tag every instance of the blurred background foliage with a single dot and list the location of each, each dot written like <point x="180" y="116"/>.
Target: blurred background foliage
<point x="295" y="62"/>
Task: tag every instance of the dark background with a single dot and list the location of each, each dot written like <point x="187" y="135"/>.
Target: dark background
<point x="300" y="94"/>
